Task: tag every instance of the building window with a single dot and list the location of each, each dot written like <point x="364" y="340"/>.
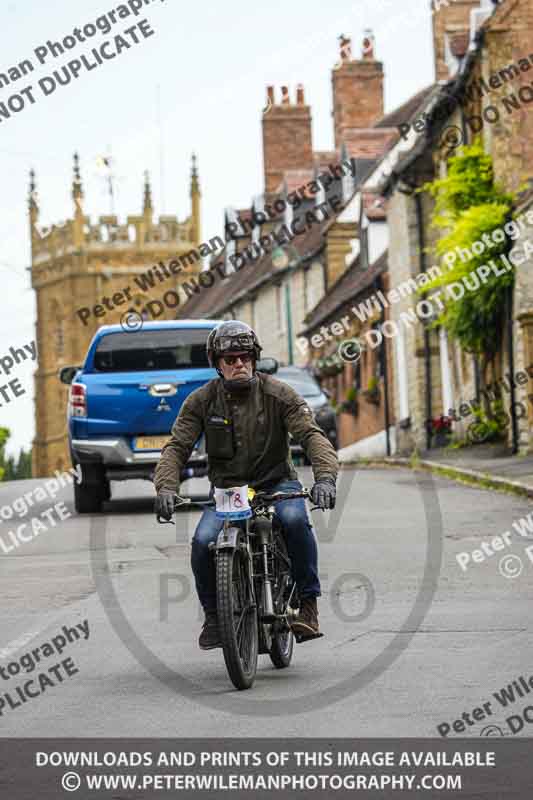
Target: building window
<point x="377" y="356"/>
<point x="364" y="248"/>
<point x="289" y="215"/>
<point x="357" y="375"/>
<point x="229" y="251"/>
<point x="364" y="364"/>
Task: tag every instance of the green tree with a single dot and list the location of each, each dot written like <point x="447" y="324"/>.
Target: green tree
<point x="469" y="204"/>
<point x="5" y="433"/>
<point x="11" y="468"/>
<point x="23" y="469"/>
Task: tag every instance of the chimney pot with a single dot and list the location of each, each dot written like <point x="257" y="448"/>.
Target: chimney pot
<point x="448" y="20"/>
<point x="300" y="98"/>
<point x="345" y="47"/>
<point x="368" y="46"/>
<point x="285" y="99"/>
<point x="270" y="95"/>
<point x="357" y="90"/>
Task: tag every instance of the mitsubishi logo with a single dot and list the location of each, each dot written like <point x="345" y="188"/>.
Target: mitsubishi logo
<point x="163" y="405"/>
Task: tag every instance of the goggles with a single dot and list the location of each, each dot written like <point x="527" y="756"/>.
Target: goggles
<point x="240" y="342"/>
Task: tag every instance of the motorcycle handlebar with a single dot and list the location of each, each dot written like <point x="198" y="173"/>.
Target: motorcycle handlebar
<point x="259" y="498"/>
<point x="178" y="501"/>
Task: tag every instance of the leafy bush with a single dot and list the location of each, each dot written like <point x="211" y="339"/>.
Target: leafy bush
<point x="489" y="427"/>
<point x="468" y="204"/>
<point x="350" y="404"/>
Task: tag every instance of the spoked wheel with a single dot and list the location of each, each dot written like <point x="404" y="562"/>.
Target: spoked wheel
<point x="237" y="616"/>
<point x="282" y="637"/>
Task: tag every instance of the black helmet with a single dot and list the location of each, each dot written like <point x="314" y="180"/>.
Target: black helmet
<point x="233" y="336"/>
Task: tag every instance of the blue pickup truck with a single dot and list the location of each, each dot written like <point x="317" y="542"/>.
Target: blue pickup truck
<point x="125" y="398"/>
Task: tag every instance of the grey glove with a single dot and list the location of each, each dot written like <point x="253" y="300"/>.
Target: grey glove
<point x="164" y="504"/>
<point x="323" y="493"/>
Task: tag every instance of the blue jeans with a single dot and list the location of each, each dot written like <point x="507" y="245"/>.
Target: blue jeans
<point x="301" y="544"/>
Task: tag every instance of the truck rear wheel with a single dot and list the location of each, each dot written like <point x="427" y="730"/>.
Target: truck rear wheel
<point x="92" y="491"/>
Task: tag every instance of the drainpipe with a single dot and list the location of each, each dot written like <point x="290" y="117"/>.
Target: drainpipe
<point x="509" y="315"/>
<point x="477" y="378"/>
<point x="288" y="313"/>
<point x="383" y="356"/>
<point x="427" y="353"/>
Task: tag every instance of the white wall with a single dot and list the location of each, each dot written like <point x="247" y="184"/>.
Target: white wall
<point x="372" y="447"/>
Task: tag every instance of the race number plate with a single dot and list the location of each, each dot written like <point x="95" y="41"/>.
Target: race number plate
<point x="232" y="503"/>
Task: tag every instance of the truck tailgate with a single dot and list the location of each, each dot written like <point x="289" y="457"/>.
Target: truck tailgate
<point x="129" y="405"/>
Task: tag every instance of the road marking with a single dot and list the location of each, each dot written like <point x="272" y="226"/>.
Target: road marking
<point x="22" y="641"/>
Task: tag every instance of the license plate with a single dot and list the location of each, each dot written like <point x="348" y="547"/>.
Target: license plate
<point x="150" y="442"/>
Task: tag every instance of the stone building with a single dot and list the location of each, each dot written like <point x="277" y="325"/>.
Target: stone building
<point x="482" y="61"/>
<point x="363" y="390"/>
<point x="74" y="266"/>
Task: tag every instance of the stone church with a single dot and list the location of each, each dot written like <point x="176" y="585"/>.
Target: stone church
<point x="76" y="264"/>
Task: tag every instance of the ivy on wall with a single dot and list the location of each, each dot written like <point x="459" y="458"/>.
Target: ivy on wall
<point x="469" y="205"/>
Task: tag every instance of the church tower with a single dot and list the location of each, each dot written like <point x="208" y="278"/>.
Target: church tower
<point x="73" y="266"/>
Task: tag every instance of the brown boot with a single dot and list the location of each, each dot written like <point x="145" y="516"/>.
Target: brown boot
<point x="210" y="636"/>
<point x="305" y="626"/>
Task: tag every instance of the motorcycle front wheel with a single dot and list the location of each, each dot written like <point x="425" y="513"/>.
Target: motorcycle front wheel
<point x="237" y="616"/>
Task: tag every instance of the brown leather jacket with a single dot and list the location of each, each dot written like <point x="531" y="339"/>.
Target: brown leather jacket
<point x="247" y="436"/>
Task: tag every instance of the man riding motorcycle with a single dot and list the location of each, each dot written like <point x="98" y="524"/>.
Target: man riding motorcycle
<point x="247" y="417"/>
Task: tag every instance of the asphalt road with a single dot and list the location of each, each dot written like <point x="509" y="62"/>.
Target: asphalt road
<point x="411" y="641"/>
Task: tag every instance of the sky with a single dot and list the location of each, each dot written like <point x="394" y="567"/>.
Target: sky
<point x="198" y="84"/>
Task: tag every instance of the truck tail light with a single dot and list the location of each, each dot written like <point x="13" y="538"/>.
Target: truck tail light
<point x="78" y="400"/>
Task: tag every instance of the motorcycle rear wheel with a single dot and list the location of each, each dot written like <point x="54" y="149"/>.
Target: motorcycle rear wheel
<point x="237" y="616"/>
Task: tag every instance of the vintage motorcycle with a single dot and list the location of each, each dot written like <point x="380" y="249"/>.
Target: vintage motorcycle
<point x="256" y="596"/>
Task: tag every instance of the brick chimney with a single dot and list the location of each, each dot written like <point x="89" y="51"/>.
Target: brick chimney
<point x="449" y="18"/>
<point x="287" y="140"/>
<point x="357" y="88"/>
